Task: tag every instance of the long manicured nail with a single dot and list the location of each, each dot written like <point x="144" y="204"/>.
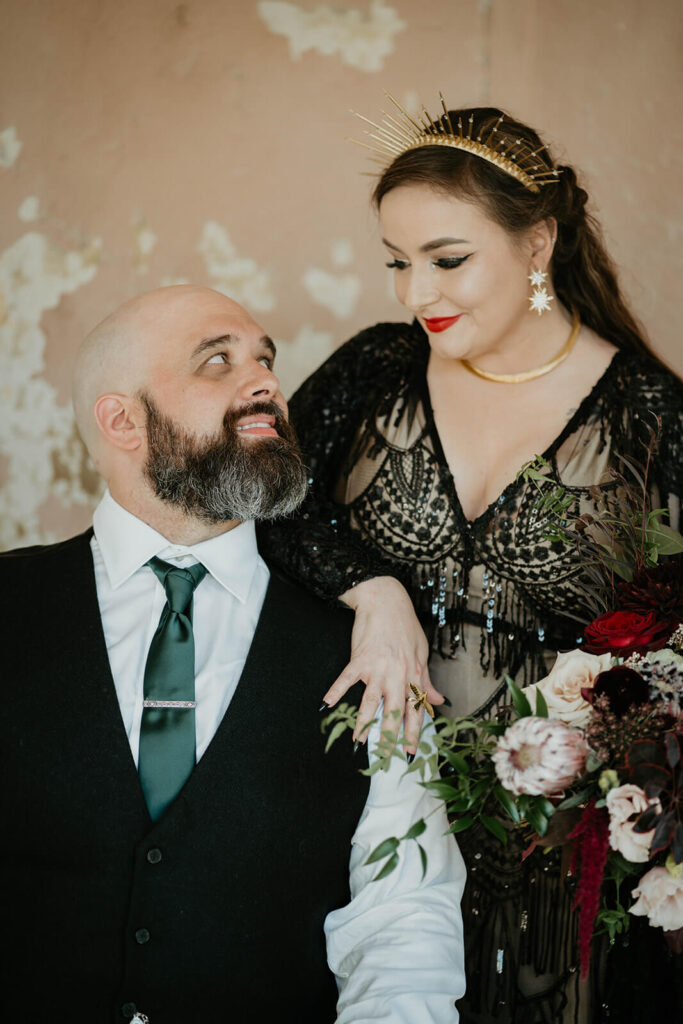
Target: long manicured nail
<point x="447" y="703"/>
<point x="324" y="707"/>
<point x="410" y="758"/>
<point x="356" y="745"/>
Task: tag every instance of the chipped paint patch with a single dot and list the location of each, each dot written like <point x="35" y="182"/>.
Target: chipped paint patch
<point x="337" y="292"/>
<point x="238" y="277"/>
<point x="144" y="243"/>
<point x="169" y="282"/>
<point x="298" y="358"/>
<point x="341" y="253"/>
<point x="10" y="146"/>
<point x="29" y="210"/>
<point x="362" y="39"/>
<point x="38" y="439"/>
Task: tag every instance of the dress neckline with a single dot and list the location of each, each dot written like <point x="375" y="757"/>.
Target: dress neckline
<point x="577" y="419"/>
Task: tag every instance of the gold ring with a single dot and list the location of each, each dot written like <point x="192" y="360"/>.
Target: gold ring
<point x="419" y="700"/>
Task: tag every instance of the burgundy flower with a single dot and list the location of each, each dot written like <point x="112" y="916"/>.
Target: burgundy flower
<point x="623" y="688"/>
<point x="659" y="589"/>
<point x="590" y="847"/>
<point x="626" y="632"/>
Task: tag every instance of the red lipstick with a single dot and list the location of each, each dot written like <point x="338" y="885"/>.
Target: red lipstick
<point x="440" y="323"/>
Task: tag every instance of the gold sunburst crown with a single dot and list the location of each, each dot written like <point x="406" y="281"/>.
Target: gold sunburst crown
<point x="397" y="135"/>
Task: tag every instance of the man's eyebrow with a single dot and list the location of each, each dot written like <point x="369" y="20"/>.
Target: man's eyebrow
<point x="269" y="344"/>
<point x="437" y="243"/>
<point x="208" y="344"/>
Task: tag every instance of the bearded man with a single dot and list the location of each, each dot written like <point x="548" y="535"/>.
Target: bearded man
<point x="178" y="847"/>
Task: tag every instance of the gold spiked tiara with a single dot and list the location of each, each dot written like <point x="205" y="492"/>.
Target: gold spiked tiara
<point x="397" y="135"/>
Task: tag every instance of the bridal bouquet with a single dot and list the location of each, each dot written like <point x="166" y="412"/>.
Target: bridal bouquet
<point x="598" y="743"/>
<point x="592" y="755"/>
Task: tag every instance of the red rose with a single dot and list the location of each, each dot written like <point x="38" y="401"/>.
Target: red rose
<point x="625" y="633"/>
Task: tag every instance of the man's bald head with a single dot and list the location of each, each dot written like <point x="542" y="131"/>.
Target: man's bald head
<point x="119" y="355"/>
<point x="177" y="401"/>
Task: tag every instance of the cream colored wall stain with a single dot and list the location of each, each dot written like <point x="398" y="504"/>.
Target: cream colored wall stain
<point x="29" y="210"/>
<point x="237" y="276"/>
<point x="144" y="244"/>
<point x="44" y="457"/>
<point x="362" y="38"/>
<point x="10" y="146"/>
<point x="309" y="347"/>
<point x="337" y="292"/>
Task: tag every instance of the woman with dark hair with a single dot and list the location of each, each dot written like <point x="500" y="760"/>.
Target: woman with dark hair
<point x="521" y="344"/>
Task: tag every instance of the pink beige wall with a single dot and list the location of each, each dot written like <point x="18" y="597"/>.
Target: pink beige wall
<point x="150" y="141"/>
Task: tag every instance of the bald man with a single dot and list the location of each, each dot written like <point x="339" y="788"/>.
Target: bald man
<point x="178" y="847"/>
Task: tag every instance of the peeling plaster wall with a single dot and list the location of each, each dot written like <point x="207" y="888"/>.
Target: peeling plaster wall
<point x="147" y="142"/>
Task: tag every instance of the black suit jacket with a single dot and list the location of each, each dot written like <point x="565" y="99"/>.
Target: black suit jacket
<point x="213" y="913"/>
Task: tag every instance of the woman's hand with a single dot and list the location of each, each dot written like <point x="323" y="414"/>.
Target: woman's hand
<point x="388" y="652"/>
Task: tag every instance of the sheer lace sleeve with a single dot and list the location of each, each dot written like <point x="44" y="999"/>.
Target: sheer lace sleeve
<point x="316" y="545"/>
<point x="669" y="464"/>
<point x="650" y="393"/>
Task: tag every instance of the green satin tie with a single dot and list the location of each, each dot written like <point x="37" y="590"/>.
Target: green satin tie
<point x="167" y="733"/>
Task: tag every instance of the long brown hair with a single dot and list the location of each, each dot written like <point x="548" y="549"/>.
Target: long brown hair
<point x="583" y="274"/>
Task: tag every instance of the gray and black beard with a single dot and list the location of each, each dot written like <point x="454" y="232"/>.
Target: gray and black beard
<point x="223" y="477"/>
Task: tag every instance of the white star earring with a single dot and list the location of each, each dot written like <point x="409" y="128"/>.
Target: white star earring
<point x="539" y="299"/>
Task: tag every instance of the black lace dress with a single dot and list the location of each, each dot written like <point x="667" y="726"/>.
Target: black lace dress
<point x="494" y="596"/>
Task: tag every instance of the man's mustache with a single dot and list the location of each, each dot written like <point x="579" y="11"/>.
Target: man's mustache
<point x="233" y="416"/>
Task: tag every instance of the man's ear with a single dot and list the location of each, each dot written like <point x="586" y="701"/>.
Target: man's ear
<point x="541" y="241"/>
<point x="121" y="421"/>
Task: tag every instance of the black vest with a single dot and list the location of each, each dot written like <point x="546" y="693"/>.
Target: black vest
<point x="213" y="914"/>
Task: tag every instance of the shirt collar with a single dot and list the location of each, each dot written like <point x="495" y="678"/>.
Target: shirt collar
<point x="127" y="543"/>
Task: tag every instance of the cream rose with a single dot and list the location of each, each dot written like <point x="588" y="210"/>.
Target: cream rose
<point x="660" y="899"/>
<point x="622" y="803"/>
<point x="572" y="672"/>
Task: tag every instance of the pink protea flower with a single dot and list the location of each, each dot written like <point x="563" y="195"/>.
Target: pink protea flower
<point x="539" y="756"/>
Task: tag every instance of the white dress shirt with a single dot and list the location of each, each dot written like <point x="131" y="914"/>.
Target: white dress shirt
<point x="396" y="948"/>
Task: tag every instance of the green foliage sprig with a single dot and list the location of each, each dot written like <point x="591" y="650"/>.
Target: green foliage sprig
<point x="456" y="767"/>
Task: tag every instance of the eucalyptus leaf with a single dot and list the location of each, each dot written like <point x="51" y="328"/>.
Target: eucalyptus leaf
<point x="495" y="828"/>
<point x="423" y="859"/>
<point x="385" y="849"/>
<point x="458" y="761"/>
<point x="666" y="540"/>
<point x="441" y="788"/>
<point x="507" y="802"/>
<point x="576" y="799"/>
<point x="521" y="703"/>
<point x="537" y="820"/>
<point x="545" y="806"/>
<point x="390" y="866"/>
<point x="541" y="705"/>
<point x="416" y="830"/>
<point x="336" y="732"/>
<point x="377" y="766"/>
<point x="461" y="824"/>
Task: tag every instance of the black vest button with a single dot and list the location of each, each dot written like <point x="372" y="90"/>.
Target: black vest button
<point x="142" y="936"/>
<point x="128" y="1010"/>
<point x="154" y="855"/>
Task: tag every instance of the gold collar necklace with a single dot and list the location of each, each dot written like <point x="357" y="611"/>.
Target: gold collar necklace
<point x="519" y="378"/>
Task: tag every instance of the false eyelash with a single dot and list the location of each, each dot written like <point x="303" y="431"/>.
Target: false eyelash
<point x="444" y="262"/>
<point x="450" y="262"/>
